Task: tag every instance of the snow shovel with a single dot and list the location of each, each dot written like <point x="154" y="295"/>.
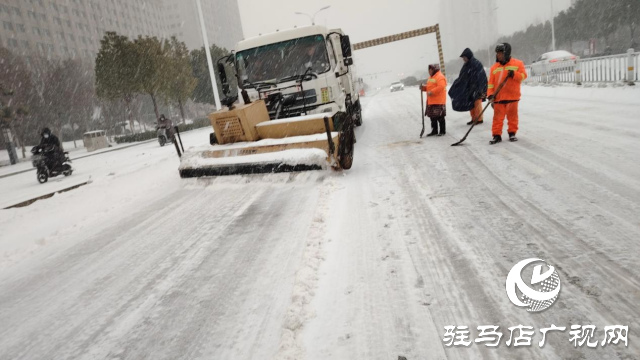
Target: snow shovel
<point x="422" y="102"/>
<point x="475" y="121"/>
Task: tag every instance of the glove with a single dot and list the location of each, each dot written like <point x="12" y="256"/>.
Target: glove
<point x="491" y="97"/>
<point x="429" y="93"/>
<point x="511" y="74"/>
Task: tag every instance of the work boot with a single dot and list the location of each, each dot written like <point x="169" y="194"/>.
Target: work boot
<point x="434" y="128"/>
<point x="471" y="122"/>
<point x="512" y="137"/>
<point x="496" y="139"/>
<point x="443" y="127"/>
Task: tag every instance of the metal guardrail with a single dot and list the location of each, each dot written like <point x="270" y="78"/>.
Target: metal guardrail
<point x="614" y="68"/>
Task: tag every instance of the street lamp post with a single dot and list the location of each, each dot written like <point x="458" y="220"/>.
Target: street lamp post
<point x="490" y="48"/>
<point x="312" y="18"/>
<point x="553" y="28"/>
<point x="205" y="38"/>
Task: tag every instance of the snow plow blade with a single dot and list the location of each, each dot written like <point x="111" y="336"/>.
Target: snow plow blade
<point x="247" y="169"/>
<point x="249" y="143"/>
<point x="300" y="153"/>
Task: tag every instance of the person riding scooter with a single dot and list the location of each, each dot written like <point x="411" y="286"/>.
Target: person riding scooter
<point x="50" y="145"/>
<point x="167" y="125"/>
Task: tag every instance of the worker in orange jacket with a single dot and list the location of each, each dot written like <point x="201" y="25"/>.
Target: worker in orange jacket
<point x="436" y="88"/>
<point x="505" y="103"/>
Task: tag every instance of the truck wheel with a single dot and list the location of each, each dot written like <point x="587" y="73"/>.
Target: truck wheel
<point x="345" y="149"/>
<point x="346" y="143"/>
<point x="358" y="114"/>
<point x="339" y="121"/>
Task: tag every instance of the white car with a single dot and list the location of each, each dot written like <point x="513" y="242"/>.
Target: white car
<point x="554" y="62"/>
<point x="396" y="86"/>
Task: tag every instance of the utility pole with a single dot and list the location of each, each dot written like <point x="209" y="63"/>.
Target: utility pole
<point x="205" y="38"/>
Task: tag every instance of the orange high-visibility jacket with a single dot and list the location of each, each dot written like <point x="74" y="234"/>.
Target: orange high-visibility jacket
<point x="437" y="84"/>
<point x="499" y="72"/>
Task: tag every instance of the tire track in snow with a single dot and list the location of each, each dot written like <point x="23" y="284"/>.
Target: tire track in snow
<point x="411" y="174"/>
<point x="453" y="273"/>
<point x="560" y="245"/>
<point x="112" y="291"/>
<point x="299" y="312"/>
<point x="572" y="254"/>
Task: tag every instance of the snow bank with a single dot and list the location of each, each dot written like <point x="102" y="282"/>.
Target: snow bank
<point x="297" y="118"/>
<point x="195" y="159"/>
<point x="304" y="288"/>
<point x="54" y="186"/>
<point x="264" y="142"/>
<point x="615" y="95"/>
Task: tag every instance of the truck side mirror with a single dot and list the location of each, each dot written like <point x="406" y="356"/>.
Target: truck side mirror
<point x="223" y="78"/>
<point x="346" y="46"/>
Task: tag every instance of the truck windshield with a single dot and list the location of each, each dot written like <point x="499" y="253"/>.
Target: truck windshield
<point x="270" y="63"/>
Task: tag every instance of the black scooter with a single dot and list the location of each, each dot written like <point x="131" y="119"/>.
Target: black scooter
<point x="39" y="161"/>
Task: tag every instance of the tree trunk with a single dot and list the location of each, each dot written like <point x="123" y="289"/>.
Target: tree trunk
<point x="58" y="130"/>
<point x="155" y="105"/>
<point x="181" y="105"/>
<point x="73" y="133"/>
<point x="18" y="136"/>
<point x="127" y="110"/>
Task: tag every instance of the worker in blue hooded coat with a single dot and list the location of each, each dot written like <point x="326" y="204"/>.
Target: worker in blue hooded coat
<point x="470" y="89"/>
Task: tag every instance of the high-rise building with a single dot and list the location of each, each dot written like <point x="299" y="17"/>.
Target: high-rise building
<point x="222" y="18"/>
<point x="74" y="28"/>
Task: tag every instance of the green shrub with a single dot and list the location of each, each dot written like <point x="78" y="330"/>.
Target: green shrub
<point x="149" y="135"/>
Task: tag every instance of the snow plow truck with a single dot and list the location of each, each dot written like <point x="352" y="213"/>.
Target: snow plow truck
<point x="296" y="109"/>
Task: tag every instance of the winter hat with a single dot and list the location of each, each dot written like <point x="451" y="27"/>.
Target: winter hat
<point x="434" y="67"/>
<point x="467" y="53"/>
<point x="506" y="49"/>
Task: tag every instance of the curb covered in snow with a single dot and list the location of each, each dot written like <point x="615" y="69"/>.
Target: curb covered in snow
<point x="46" y="196"/>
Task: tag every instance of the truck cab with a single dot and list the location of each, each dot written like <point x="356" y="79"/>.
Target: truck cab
<point x="301" y="71"/>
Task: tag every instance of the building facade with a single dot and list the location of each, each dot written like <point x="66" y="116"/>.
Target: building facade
<point x="74" y="28"/>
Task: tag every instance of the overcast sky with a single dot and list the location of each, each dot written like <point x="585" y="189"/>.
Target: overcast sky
<point x="464" y="23"/>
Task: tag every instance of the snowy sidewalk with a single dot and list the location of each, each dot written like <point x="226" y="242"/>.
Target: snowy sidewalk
<point x="25" y="165"/>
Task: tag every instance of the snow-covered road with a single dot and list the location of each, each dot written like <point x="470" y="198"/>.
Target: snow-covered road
<point x="368" y="264"/>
